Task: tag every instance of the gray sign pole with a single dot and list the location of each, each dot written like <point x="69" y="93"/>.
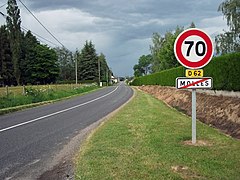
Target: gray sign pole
<point x="194" y="131"/>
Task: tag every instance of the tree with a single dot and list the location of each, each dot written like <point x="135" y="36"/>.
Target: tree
<point x="166" y="53"/>
<point x="144" y="62"/>
<point x="45" y="69"/>
<point x="138" y="71"/>
<point x="88" y="63"/>
<point x="162" y="50"/>
<point x="66" y="64"/>
<point x="225" y="44"/>
<point x="192" y="25"/>
<point x="6" y="65"/>
<point x="157" y="41"/>
<point x="14" y="27"/>
<point x="38" y="63"/>
<point x="143" y="66"/>
<point x="229" y="41"/>
<point x="28" y="57"/>
<point x="104" y="69"/>
<point x="231" y="11"/>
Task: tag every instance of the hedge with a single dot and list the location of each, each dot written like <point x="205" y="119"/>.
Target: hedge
<point x="163" y="78"/>
<point x="225" y="71"/>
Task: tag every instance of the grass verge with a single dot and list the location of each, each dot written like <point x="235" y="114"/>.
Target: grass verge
<point x="37" y="98"/>
<point x="148" y="140"/>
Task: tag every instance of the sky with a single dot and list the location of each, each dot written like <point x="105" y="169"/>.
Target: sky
<point x="120" y="29"/>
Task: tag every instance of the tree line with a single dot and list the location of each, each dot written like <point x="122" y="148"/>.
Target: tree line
<point x="24" y="60"/>
<point x="89" y="64"/>
<point x="162" y="49"/>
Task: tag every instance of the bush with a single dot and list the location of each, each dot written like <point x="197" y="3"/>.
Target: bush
<point x="37" y="95"/>
<point x="225" y="71"/>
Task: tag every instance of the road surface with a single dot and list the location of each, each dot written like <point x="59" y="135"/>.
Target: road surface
<point x="31" y="138"/>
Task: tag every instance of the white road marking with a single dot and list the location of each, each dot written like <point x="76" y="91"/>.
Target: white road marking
<point x="34" y="162"/>
<point x="58" y="112"/>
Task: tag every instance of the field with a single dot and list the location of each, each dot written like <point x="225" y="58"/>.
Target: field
<point x="149" y="140"/>
<point x="19" y="90"/>
<point x="17" y="98"/>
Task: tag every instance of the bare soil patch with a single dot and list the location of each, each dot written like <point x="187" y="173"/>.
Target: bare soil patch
<point x="221" y="112"/>
<point x="198" y="143"/>
<point x="185" y="172"/>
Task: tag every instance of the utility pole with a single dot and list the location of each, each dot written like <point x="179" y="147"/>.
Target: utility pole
<point x="76" y="71"/>
<point x="99" y="72"/>
<point x="107" y="75"/>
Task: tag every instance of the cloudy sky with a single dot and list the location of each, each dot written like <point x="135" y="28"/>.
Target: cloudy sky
<point x="120" y="29"/>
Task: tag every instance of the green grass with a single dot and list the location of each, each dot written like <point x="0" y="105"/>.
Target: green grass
<point x="36" y="95"/>
<point x="18" y="90"/>
<point x="145" y="141"/>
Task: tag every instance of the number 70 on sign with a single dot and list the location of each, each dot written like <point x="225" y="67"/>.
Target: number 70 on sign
<point x="199" y="49"/>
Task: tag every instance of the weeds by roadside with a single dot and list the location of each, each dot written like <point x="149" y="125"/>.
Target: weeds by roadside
<point x="35" y="95"/>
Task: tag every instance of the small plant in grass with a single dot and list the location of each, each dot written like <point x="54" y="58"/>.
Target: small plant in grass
<point x="36" y="94"/>
<point x="12" y="101"/>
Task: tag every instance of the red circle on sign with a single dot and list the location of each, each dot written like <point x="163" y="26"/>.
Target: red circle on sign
<point x="178" y="48"/>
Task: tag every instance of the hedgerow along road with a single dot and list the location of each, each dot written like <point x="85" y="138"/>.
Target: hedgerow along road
<point x="30" y="139"/>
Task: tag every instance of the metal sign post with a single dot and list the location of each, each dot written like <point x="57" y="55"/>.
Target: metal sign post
<point x="194" y="83"/>
<point x="194" y="112"/>
<point x="193" y="49"/>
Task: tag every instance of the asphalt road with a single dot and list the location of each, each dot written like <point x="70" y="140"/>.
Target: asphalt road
<point x="32" y="137"/>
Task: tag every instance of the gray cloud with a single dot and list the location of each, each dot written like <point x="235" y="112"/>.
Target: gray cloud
<point x="121" y="29"/>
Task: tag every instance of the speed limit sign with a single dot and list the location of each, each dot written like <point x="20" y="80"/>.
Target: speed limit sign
<point x="193" y="48"/>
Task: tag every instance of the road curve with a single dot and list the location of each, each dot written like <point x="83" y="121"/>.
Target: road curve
<point x="34" y="136"/>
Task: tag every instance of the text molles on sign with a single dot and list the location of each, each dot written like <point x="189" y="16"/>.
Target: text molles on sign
<point x="194" y="83"/>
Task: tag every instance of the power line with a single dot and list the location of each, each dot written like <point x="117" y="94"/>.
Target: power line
<point x="3" y="14"/>
<point x="3" y="5"/>
<point x="26" y="29"/>
<point x="40" y="23"/>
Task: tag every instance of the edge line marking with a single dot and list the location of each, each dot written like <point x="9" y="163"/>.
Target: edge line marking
<point x="58" y="112"/>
